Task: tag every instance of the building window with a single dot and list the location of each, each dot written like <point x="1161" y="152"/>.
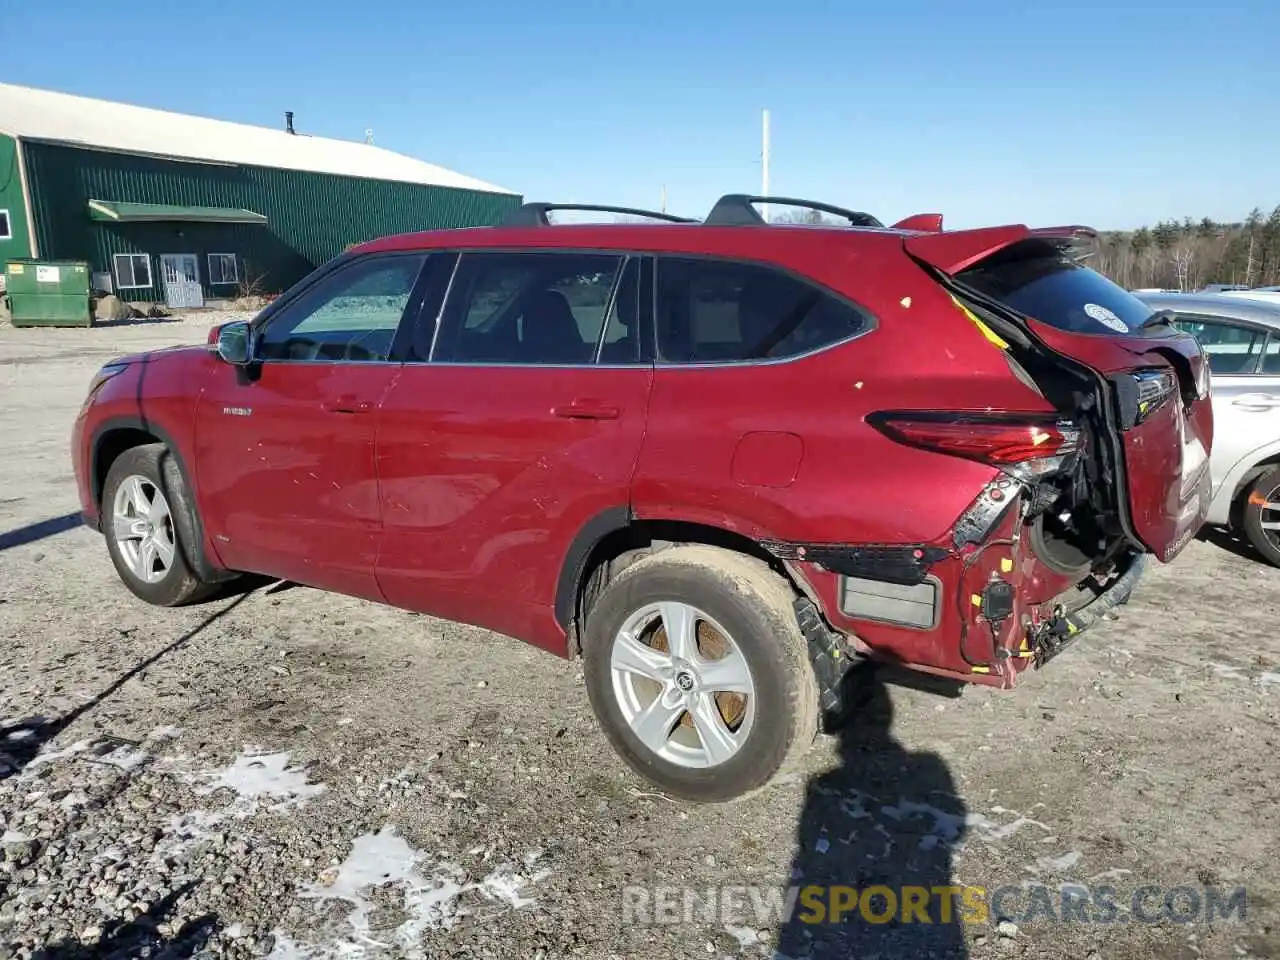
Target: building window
<point x="6" y="227"/>
<point x="222" y="268"/>
<point x="133" y="270"/>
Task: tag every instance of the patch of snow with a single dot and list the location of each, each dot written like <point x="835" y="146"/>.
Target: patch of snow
<point x="1115" y="874"/>
<point x="947" y="828"/>
<point x="745" y="936"/>
<point x="431" y="895"/>
<point x="49" y="756"/>
<point x="256" y="776"/>
<point x="12" y="836"/>
<point x="1056" y="864"/>
<point x="186" y="831"/>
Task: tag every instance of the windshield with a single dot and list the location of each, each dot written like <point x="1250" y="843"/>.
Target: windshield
<point x="1041" y="281"/>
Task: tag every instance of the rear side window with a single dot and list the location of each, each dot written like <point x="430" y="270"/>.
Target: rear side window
<point x="1271" y="358"/>
<point x="712" y="311"/>
<point x="528" y="308"/>
<point x="1230" y="347"/>
<point x="1039" y="280"/>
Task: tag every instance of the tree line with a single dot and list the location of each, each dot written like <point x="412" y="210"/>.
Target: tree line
<point x="1176" y="255"/>
<point x="1190" y="254"/>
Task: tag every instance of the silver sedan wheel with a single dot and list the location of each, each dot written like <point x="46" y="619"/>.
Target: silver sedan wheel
<point x="142" y="526"/>
<point x="683" y="685"/>
<point x="1269" y="516"/>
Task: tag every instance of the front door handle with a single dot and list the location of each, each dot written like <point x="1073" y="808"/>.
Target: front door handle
<point x="1257" y="401"/>
<point x="587" y="410"/>
<point x="347" y="403"/>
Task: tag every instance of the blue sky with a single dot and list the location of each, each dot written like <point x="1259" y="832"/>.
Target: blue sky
<point x="1113" y="114"/>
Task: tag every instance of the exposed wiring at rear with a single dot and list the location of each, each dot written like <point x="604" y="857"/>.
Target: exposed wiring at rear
<point x="960" y="598"/>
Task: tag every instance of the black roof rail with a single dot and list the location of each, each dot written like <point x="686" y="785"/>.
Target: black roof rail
<point x="738" y="210"/>
<point x="535" y="214"/>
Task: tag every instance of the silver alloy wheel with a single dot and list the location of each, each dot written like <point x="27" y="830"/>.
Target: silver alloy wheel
<point x="683" y="685"/>
<point x="142" y="526"/>
<point x="1271" y="527"/>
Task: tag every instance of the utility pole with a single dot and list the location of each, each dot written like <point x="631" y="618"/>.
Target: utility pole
<point x="764" y="160"/>
<point x="664" y="198"/>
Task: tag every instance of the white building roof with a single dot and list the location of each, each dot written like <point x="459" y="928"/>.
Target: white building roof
<point x="33" y="114"/>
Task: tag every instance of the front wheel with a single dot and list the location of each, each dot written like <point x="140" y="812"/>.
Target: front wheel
<point x="1261" y="516"/>
<point x="698" y="672"/>
<point x="144" y="500"/>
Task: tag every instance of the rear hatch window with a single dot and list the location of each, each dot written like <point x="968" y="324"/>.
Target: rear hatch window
<point x="1040" y="279"/>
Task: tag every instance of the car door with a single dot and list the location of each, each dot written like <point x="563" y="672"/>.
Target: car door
<point x="521" y="424"/>
<point x="285" y="446"/>
<point x="1245" y="363"/>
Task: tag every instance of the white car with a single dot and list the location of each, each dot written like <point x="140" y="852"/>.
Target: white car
<point x="1240" y="335"/>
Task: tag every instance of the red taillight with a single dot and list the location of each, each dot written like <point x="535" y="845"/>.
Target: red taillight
<point x="1000" y="441"/>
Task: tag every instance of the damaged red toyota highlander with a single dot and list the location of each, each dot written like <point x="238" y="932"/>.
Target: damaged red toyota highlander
<point x="720" y="460"/>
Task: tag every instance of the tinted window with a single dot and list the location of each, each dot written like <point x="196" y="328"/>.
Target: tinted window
<point x="712" y="311"/>
<point x="1040" y="281"/>
<point x="1271" y="357"/>
<point x="351" y="314"/>
<point x="622" y="341"/>
<point x="527" y="307"/>
<point x="1229" y="347"/>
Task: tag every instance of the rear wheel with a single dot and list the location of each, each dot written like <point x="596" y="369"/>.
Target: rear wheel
<point x="1261" y="516"/>
<point x="697" y="670"/>
<point x="145" y="503"/>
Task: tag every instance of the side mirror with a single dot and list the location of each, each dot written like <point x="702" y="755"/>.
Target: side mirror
<point x="235" y="343"/>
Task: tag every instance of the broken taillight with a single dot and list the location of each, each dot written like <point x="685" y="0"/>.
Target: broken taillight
<point x="1030" y="445"/>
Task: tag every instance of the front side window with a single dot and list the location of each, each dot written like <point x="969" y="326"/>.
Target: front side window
<point x="133" y="270"/>
<point x="352" y="314"/>
<point x="1230" y="348"/>
<point x="527" y="308"/>
<point x="223" y="269"/>
<point x="712" y="311"/>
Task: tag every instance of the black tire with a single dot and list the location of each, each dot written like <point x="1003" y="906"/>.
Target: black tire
<point x="180" y="585"/>
<point x="754" y="606"/>
<point x="1266" y="489"/>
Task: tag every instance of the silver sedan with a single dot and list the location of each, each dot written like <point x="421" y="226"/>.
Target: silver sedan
<point x="1241" y="337"/>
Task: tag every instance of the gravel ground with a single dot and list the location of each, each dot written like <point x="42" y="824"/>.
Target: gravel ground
<point x="287" y="773"/>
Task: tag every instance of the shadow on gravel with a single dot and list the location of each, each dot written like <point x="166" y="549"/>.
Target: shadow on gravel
<point x="39" y="530"/>
<point x="135" y="322"/>
<point x="1227" y="539"/>
<point x="140" y="937"/>
<point x="22" y="741"/>
<point x="885" y="818"/>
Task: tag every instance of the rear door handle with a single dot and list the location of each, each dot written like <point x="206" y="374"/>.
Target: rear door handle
<point x="1257" y="401"/>
<point x="347" y="404"/>
<point x="587" y="410"/>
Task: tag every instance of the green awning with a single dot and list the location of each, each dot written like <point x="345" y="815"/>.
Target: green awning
<point x="115" y="211"/>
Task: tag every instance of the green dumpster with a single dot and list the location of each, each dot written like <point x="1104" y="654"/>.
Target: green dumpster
<point x="48" y="293"/>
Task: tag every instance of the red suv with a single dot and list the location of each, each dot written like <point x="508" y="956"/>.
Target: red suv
<point x="722" y="460"/>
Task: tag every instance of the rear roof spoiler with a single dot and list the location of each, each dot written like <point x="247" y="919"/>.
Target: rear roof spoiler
<point x="957" y="250"/>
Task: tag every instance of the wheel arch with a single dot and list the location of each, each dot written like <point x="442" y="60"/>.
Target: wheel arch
<point x="1242" y="476"/>
<point x="615" y="533"/>
<point x="117" y="435"/>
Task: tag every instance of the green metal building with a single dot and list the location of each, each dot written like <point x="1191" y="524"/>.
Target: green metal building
<point x="180" y="209"/>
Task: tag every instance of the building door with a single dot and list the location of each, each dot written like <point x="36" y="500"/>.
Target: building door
<point x="181" y="272"/>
